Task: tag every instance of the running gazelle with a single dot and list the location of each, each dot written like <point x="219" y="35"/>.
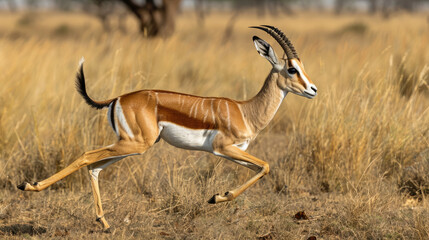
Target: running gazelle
<point x="220" y="126"/>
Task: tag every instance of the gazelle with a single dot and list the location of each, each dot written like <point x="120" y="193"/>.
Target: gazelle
<point x="220" y="126"/>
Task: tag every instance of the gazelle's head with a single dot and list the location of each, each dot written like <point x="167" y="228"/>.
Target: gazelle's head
<point x="292" y="76"/>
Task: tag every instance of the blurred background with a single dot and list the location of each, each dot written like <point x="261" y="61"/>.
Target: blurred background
<point x="158" y="17"/>
<point x="355" y="158"/>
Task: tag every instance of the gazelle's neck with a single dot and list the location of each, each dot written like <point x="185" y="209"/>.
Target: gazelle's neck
<point x="260" y="109"/>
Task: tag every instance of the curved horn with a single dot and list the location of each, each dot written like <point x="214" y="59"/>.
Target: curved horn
<point x="285" y="39"/>
<point x="281" y="39"/>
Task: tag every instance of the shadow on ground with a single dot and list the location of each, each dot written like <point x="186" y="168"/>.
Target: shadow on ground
<point x="21" y="229"/>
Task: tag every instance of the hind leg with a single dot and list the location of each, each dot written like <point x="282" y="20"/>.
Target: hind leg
<point x="120" y="149"/>
<point x="94" y="169"/>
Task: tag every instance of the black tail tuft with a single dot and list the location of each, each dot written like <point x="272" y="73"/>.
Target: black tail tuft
<point x="81" y="88"/>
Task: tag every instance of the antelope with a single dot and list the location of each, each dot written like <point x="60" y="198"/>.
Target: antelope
<point x="221" y="126"/>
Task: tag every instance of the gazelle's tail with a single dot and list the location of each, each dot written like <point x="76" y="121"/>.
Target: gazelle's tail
<point x="81" y="88"/>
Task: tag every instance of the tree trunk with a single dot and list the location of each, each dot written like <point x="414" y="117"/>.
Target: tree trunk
<point x="200" y="11"/>
<point x="168" y="14"/>
<point x="155" y="20"/>
<point x="12" y="5"/>
<point x="407" y="5"/>
<point x="386" y="8"/>
<point x="339" y="6"/>
<point x="372" y="6"/>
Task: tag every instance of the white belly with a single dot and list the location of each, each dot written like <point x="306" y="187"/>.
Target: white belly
<point x="182" y="137"/>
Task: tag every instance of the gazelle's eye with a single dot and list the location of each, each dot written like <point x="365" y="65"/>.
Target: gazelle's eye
<point x="292" y="71"/>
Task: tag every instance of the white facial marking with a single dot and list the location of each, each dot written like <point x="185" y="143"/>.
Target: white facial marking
<point x="122" y="121"/>
<point x="311" y="89"/>
<point x="182" y="137"/>
<point x="296" y="66"/>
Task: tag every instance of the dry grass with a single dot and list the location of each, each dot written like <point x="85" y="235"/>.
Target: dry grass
<point x="355" y="159"/>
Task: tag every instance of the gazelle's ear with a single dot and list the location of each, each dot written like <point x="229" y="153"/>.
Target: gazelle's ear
<point x="265" y="50"/>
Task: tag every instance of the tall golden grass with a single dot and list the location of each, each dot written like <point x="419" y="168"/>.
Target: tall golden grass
<point x="355" y="141"/>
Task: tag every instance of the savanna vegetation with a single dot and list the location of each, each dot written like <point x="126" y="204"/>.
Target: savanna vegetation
<point x="354" y="161"/>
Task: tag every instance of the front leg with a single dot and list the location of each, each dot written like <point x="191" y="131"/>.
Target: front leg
<point x="239" y="156"/>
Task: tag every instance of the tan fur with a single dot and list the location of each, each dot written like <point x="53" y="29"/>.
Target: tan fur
<point x="237" y="123"/>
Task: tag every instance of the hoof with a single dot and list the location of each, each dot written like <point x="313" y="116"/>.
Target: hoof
<point x="105" y="225"/>
<point x="22" y="186"/>
<point x="213" y="199"/>
<point x="25" y="186"/>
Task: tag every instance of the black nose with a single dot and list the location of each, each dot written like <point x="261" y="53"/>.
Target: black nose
<point x="314" y="89"/>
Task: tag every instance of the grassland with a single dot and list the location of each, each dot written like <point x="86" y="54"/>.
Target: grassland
<point x="355" y="159"/>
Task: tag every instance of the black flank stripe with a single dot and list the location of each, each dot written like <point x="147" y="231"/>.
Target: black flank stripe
<point x="112" y="115"/>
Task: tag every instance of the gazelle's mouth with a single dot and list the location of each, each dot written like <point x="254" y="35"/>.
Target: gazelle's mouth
<point x="309" y="94"/>
<point x="312" y="92"/>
